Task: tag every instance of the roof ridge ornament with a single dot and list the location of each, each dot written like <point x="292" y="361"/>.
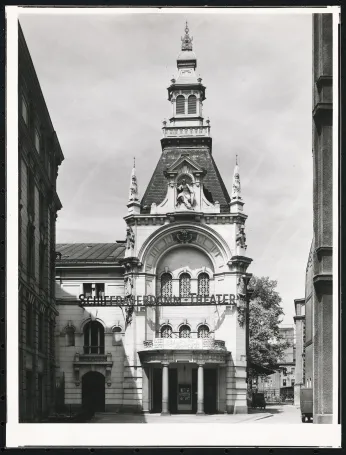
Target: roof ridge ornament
<point x="186" y="44"/>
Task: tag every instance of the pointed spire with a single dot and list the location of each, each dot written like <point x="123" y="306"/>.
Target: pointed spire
<point x="186" y="44"/>
<point x="236" y="188"/>
<point x="133" y="194"/>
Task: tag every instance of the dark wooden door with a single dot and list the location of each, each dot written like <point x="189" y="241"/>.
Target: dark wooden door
<point x="173" y="390"/>
<point x="157" y="390"/>
<point x="210" y="390"/>
<point x="93" y="392"/>
<point x="194" y="391"/>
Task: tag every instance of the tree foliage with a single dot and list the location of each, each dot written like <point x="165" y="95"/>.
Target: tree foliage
<point x="266" y="344"/>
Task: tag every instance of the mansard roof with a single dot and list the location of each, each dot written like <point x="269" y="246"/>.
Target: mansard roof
<point x="213" y="183"/>
<point x="90" y="252"/>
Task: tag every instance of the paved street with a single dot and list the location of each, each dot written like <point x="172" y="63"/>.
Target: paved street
<point x="280" y="414"/>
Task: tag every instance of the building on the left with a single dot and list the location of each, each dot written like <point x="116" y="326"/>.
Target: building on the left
<point x="39" y="156"/>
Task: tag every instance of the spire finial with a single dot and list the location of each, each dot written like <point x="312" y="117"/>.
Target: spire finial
<point x="236" y="188"/>
<point x="236" y="160"/>
<point x="134" y="162"/>
<point x="187" y="40"/>
<point x="133" y="194"/>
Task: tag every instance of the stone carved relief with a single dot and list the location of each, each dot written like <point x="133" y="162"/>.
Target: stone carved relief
<point x="184" y="236"/>
<point x="241" y="238"/>
<point x="185" y="194"/>
<point x="130" y="238"/>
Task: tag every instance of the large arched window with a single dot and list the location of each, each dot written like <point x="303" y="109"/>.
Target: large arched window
<point x="203" y="284"/>
<point x="184" y="285"/>
<point x="180" y="104"/>
<point x="94" y="338"/>
<point x="192" y="105"/>
<point x="184" y="331"/>
<point x="203" y="331"/>
<point x="166" y="331"/>
<point x="166" y="285"/>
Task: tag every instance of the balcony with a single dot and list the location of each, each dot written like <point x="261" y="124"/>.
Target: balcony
<point x="190" y="131"/>
<point x="171" y="343"/>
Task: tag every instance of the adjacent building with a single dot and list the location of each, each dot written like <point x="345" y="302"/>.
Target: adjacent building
<point x="39" y="155"/>
<point x="185" y="239"/>
<point x="281" y="383"/>
<point x="299" y="321"/>
<point x="318" y="302"/>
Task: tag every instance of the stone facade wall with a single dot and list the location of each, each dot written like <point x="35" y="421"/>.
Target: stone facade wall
<point x="38" y="204"/>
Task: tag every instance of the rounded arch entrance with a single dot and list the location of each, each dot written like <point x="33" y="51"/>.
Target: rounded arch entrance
<point x="93" y="392"/>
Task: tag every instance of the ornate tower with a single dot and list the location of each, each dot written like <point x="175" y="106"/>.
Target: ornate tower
<point x="186" y="238"/>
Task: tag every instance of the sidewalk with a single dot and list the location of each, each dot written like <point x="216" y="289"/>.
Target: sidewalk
<point x="108" y="417"/>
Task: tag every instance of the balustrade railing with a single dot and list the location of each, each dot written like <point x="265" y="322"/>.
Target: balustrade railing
<point x="174" y="131"/>
<point x="185" y="343"/>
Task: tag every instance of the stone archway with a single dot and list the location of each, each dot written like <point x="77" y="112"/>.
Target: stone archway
<point x="93" y="392"/>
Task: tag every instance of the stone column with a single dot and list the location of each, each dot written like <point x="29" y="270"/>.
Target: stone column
<point x="165" y="409"/>
<point x="200" y="389"/>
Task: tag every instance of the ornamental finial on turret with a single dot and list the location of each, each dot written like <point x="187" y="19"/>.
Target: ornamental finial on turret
<point x="236" y="189"/>
<point x="133" y="194"/>
<point x="186" y="44"/>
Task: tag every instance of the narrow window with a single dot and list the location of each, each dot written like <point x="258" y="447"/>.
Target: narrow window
<point x="180" y="105"/>
<point x="117" y="335"/>
<point x="31" y="193"/>
<point x="94" y="340"/>
<point x="100" y="289"/>
<point x="29" y="325"/>
<point x="31" y="250"/>
<point x="70" y="336"/>
<point x="192" y="105"/>
<point x="184" y="331"/>
<point x="166" y="331"/>
<point x="40" y="332"/>
<point x="87" y="289"/>
<point x="166" y="285"/>
<point x="184" y="285"/>
<point x="203" y="284"/>
<point x="37" y="140"/>
<point x="25" y="111"/>
<point x="42" y="265"/>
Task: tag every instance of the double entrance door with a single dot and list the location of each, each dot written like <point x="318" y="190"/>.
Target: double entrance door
<point x="210" y="391"/>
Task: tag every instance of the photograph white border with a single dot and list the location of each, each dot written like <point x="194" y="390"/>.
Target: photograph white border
<point x="138" y="435"/>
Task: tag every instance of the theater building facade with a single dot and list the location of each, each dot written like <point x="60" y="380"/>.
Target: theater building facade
<point x="185" y="237"/>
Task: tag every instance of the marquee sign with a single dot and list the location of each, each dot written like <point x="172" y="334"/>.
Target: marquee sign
<point x="151" y="300"/>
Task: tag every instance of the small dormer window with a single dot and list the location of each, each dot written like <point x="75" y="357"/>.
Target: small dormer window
<point x="192" y="105"/>
<point x="180" y="105"/>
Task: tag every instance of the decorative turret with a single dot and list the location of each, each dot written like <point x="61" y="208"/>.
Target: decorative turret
<point x="186" y="93"/>
<point x="133" y="204"/>
<point x="236" y="199"/>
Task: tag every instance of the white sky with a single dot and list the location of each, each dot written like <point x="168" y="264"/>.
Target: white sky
<point x="104" y="79"/>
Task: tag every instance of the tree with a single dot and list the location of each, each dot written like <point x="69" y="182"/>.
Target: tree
<point x="266" y="344"/>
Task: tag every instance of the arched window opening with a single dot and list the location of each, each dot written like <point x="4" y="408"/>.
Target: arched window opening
<point x="166" y="285"/>
<point x="203" y="284"/>
<point x="94" y="338"/>
<point x="180" y="105"/>
<point x="166" y="331"/>
<point x="184" y="331"/>
<point x="184" y="285"/>
<point x="203" y="331"/>
<point x="70" y="336"/>
<point x="192" y="105"/>
<point x="117" y="335"/>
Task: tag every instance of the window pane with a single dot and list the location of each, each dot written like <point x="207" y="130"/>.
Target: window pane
<point x="25" y="111"/>
<point x="203" y="284"/>
<point x="37" y="140"/>
<point x="203" y="331"/>
<point x="180" y="104"/>
<point x="185" y="285"/>
<point x="192" y="104"/>
<point x="87" y="290"/>
<point x="184" y="331"/>
<point x="166" y="331"/>
<point x="166" y="285"/>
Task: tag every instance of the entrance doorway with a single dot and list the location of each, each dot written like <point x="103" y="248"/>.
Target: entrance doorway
<point x="93" y="392"/>
<point x="172" y="390"/>
<point x="210" y="390"/>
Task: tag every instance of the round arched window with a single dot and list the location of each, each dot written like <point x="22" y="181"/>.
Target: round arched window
<point x="166" y="285"/>
<point x="203" y="284"/>
<point x="166" y="331"/>
<point x="180" y="105"/>
<point x="203" y="331"/>
<point x="184" y="331"/>
<point x="184" y="285"/>
<point x="192" y="105"/>
<point x="94" y="338"/>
